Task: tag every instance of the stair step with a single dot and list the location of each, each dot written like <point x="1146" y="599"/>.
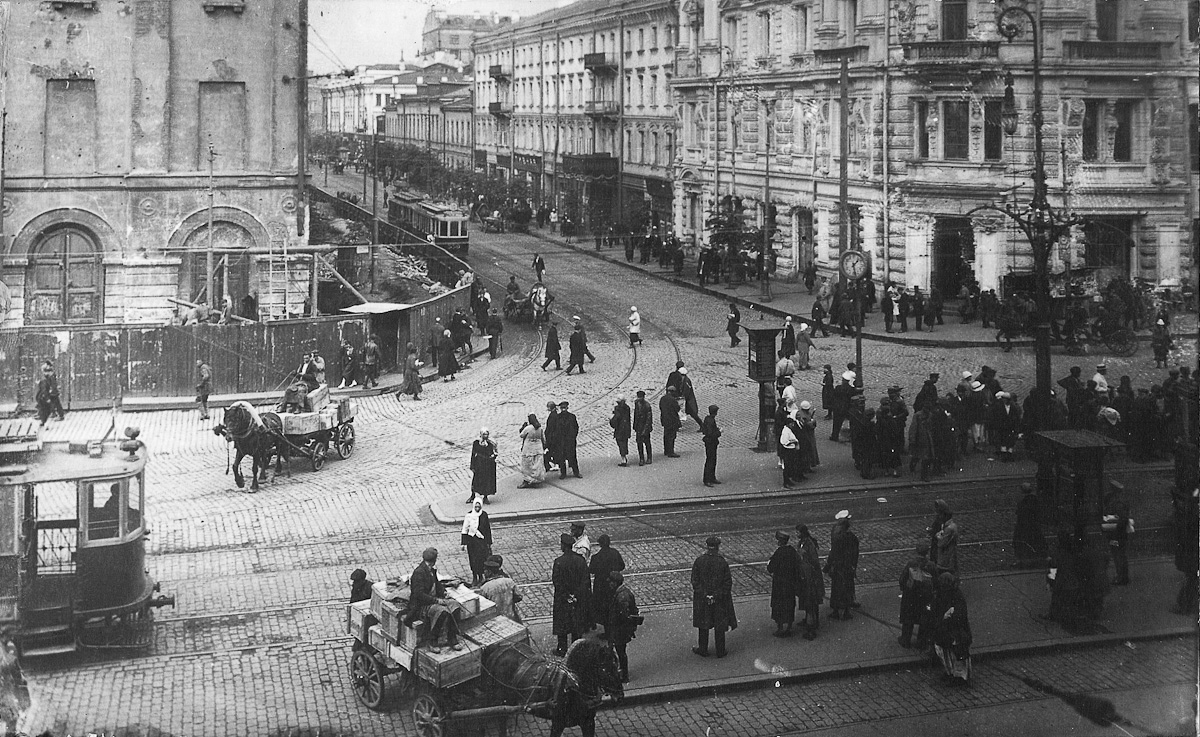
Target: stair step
<point x="48" y="650"/>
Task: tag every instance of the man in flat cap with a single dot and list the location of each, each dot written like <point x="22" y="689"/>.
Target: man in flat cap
<point x="668" y="415"/>
<point x="552" y="438"/>
<point x="606" y="560"/>
<point x="712" y="438"/>
<point x="568" y="439"/>
<point x="428" y="601"/>
<point x="643" y="425"/>
<point x="842" y="566"/>
<point x="784" y="567"/>
<point x="712" y="598"/>
<point x="928" y="394"/>
<point x="571" y="612"/>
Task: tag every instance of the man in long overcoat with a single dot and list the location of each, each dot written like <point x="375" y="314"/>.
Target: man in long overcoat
<point x="643" y="425"/>
<point x="568" y="438"/>
<point x="578" y="346"/>
<point x="605" y="560"/>
<point x="842" y="566"/>
<point x="571" y="612"/>
<point x="784" y="567"/>
<point x="668" y="415"/>
<point x="552" y="439"/>
<point x="712" y="598"/>
<point x="812" y="581"/>
<point x="553" y="348"/>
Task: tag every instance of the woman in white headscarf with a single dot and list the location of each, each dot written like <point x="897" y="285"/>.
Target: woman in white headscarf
<point x="477" y="539"/>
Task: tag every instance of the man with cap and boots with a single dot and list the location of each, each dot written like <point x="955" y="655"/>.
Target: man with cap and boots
<point x="842" y="394"/>
<point x="784" y="567"/>
<point x="571" y="610"/>
<point x="624" y="621"/>
<point x="643" y="425"/>
<point x="577" y="345"/>
<point x="581" y="544"/>
<point x="586" y="351"/>
<point x="607" y="560"/>
<point x="928" y="394"/>
<point x="712" y="438"/>
<point x="568" y="433"/>
<point x="552" y="439"/>
<point x="668" y="415"/>
<point x="712" y="598"/>
<point x="429" y="603"/>
<point x="842" y="566"/>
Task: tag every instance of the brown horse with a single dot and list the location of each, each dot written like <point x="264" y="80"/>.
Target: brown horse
<point x="254" y="435"/>
<point x="572" y="689"/>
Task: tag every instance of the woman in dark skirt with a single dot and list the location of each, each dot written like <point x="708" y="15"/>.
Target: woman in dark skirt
<point x="477" y="540"/>
<point x="483" y="467"/>
<point x="447" y="361"/>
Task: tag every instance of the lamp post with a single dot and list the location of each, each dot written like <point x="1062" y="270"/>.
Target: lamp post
<point x="1042" y="224"/>
<point x="768" y="226"/>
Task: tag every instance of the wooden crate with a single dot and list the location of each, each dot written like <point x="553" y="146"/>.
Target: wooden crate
<point x="377" y="639"/>
<point x="346" y="410"/>
<point x="495" y="631"/>
<point x="300" y="423"/>
<point x="415" y="635"/>
<point x="466" y="598"/>
<point x="450" y="667"/>
<point x="359" y="619"/>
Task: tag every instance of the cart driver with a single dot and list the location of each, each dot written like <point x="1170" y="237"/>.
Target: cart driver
<point x="428" y="602"/>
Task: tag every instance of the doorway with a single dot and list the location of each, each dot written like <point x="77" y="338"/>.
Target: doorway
<point x="953" y="252"/>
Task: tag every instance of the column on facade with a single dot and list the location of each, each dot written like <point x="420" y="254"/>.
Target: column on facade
<point x="1166" y="257"/>
<point x="989" y="250"/>
<point x="918" y="239"/>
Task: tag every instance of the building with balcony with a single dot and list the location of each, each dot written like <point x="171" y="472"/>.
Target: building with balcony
<point x="576" y="102"/>
<point x="438" y="119"/>
<point x="759" y="88"/>
<point x="117" y="123"/>
<point x="454" y="34"/>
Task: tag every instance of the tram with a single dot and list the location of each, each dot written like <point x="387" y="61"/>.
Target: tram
<point x="446" y="223"/>
<point x="73" y="530"/>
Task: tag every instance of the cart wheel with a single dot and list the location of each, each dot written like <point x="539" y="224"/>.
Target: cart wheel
<point x="1122" y="343"/>
<point x="344" y="445"/>
<point x="427" y="716"/>
<point x="366" y="678"/>
<point x="319" y="452"/>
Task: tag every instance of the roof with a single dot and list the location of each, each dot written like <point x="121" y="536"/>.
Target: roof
<point x="376" y="308"/>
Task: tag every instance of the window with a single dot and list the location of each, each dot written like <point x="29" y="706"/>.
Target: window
<point x="765" y="28"/>
<point x="1108" y="16"/>
<point x="922" y="132"/>
<point x="734" y="49"/>
<point x="1193" y="21"/>
<point x="378" y="100"/>
<point x="849" y="20"/>
<point x="956" y="136"/>
<point x="641" y="90"/>
<point x="453" y="39"/>
<point x="65" y="279"/>
<point x="1109" y="242"/>
<point x="641" y="39"/>
<point x="223" y="124"/>
<point x="1123" y="135"/>
<point x="653" y="37"/>
<point x="653" y="90"/>
<point x="70" y="140"/>
<point x="1194" y="136"/>
<point x="670" y="144"/>
<point x="654" y="149"/>
<point x="1093" y="114"/>
<point x="954" y="20"/>
<point x="801" y="29"/>
<point x="133" y="509"/>
<point x="103" y="510"/>
<point x="993" y="133"/>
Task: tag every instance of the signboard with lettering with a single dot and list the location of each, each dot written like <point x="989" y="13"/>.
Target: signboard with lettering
<point x="527" y="162"/>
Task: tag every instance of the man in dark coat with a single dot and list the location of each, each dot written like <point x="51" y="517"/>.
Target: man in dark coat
<point x="571" y="612"/>
<point x="568" y="438"/>
<point x="604" y="561"/>
<point x="812" y="581"/>
<point x="495" y="328"/>
<point x="1004" y="424"/>
<point x="712" y="438"/>
<point x="712" y="598"/>
<point x="578" y="346"/>
<point x="622" y="427"/>
<point x="625" y="621"/>
<point x="1029" y="543"/>
<point x="668" y="415"/>
<point x="428" y="602"/>
<point x="553" y="348"/>
<point x="906" y="305"/>
<point x="447" y="360"/>
<point x="842" y="566"/>
<point x="733" y="323"/>
<point x="916" y="595"/>
<point x="827" y="391"/>
<point x="784" y="567"/>
<point x="643" y="425"/>
<point x="552" y="439"/>
<point x="928" y="394"/>
<point x="842" y="394"/>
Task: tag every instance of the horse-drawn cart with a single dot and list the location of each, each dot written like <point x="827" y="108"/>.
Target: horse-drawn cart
<point x="330" y="425"/>
<point x="498" y="672"/>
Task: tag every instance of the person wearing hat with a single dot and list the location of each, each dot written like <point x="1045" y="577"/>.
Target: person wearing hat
<point x="842" y="394"/>
<point x="943" y="538"/>
<point x="804" y="344"/>
<point x="360" y="586"/>
<point x="977" y="411"/>
<point x="621" y="425"/>
<point x="787" y="340"/>
<point x="928" y="394"/>
<point x="495" y="331"/>
<point x="553" y="350"/>
<point x="476" y="539"/>
<point x="568" y="441"/>
<point x="811" y="591"/>
<point x="733" y="323"/>
<point x="1029" y="542"/>
<point x="916" y="594"/>
<point x="784" y="567"/>
<point x="643" y="425"/>
<point x="635" y="327"/>
<point x="785" y="368"/>
<point x="428" y="602"/>
<point x="1004" y="425"/>
<point x="842" y="566"/>
<point x="890" y="420"/>
<point x="964" y="381"/>
<point x="606" y="561"/>
<point x="551" y="437"/>
<point x="572" y="607"/>
<point x="1160" y="341"/>
<point x="827" y="391"/>
<point x="581" y="543"/>
<point x="1101" y="379"/>
<point x="483" y="466"/>
<point x="624" y="622"/>
<point x="577" y="344"/>
<point x="951" y="629"/>
<point x="712" y="438"/>
<point x="788" y="442"/>
<point x="500" y="588"/>
<point x="668" y="416"/>
<point x="922" y="447"/>
<point x="712" y="598"/>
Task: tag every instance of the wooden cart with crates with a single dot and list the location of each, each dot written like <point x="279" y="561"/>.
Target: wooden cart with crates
<point x="329" y="424"/>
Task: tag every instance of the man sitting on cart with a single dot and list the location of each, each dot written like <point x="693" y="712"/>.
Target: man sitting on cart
<point x="427" y="601"/>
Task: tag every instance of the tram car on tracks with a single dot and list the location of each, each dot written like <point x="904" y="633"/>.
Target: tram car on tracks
<point x="446" y="223"/>
<point x="73" y="529"/>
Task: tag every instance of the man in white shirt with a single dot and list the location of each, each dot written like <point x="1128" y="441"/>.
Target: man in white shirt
<point x="1100" y="379"/>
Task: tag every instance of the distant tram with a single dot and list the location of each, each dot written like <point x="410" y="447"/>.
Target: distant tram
<point x="73" y="533"/>
<point x="447" y="223"/>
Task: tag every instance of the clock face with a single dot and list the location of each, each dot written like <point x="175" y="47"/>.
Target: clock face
<point x="854" y="265"/>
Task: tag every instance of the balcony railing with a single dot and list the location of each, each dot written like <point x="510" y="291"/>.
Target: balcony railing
<point x="951" y="50"/>
<point x="601" y="108"/>
<point x="599" y="62"/>
<point x="499" y="109"/>
<point x="497" y="71"/>
<point x="1114" y="50"/>
<point x="852" y="54"/>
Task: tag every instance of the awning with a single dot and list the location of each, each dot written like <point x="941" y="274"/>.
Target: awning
<point x="376" y="308"/>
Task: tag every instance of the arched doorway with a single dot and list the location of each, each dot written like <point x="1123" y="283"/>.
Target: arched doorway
<point x="231" y="263"/>
<point x="65" y="278"/>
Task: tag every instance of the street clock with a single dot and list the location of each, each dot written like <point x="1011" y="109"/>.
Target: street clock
<point x="853" y="265"/>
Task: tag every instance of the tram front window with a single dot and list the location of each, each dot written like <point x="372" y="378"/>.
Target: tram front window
<point x="104" y="510"/>
<point x="133" y="513"/>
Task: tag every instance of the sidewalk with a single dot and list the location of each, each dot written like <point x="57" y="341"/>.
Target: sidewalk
<point x="794" y="299"/>
<point x="1004" y="611"/>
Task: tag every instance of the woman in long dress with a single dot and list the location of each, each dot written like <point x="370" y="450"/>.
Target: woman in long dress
<point x="412" y="375"/>
<point x="952" y="630"/>
<point x="532" y="450"/>
<point x="803" y="344"/>
<point x="483" y="467"/>
<point x="477" y="540"/>
<point x="447" y="360"/>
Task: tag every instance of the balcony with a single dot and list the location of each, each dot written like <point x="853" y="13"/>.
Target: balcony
<point x="600" y="63"/>
<point x="955" y="51"/>
<point x="499" y="109"/>
<point x="590" y="166"/>
<point x="1114" y="50"/>
<point x="499" y="73"/>
<point x="852" y="54"/>
<point x="601" y="108"/>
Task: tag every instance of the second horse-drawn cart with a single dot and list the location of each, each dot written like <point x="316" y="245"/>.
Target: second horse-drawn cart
<point x="497" y="674"/>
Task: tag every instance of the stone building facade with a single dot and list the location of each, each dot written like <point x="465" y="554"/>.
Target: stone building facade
<point x="453" y="33"/>
<point x="437" y="118"/>
<point x="576" y="101"/>
<point x="758" y="88"/>
<point x="111" y="112"/>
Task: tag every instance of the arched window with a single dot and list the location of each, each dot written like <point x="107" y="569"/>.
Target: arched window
<point x="65" y="280"/>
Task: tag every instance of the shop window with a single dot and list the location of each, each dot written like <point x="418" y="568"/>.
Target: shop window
<point x="1123" y="135"/>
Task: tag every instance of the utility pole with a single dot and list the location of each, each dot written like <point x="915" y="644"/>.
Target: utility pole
<point x="209" y="270"/>
<point x="768" y="221"/>
<point x="844" y="165"/>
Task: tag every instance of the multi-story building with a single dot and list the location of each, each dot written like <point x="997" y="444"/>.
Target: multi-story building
<point x="759" y="85"/>
<point x="354" y="103"/>
<point x="576" y="101"/>
<point x="454" y="34"/>
<point x="437" y="118"/>
<point x="116" y="125"/>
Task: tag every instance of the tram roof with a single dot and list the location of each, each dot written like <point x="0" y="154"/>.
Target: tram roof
<point x="57" y="462"/>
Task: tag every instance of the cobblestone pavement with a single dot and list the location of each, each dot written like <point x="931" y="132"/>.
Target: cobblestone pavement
<point x="255" y="642"/>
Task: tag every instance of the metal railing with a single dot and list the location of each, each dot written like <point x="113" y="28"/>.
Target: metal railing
<point x="1114" y="50"/>
<point x="56" y="541"/>
<point x="951" y="50"/>
<point x="601" y="107"/>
